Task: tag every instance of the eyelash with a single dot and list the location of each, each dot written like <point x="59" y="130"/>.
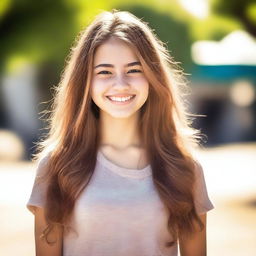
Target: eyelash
<point x="100" y="73"/>
<point x="137" y="70"/>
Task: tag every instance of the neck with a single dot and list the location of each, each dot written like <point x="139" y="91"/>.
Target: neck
<point x="119" y="133"/>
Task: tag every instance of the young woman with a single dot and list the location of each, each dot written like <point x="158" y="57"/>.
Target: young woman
<point x="117" y="175"/>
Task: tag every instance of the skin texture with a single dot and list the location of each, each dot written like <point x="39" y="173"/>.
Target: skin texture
<point x="118" y="79"/>
<point x="196" y="245"/>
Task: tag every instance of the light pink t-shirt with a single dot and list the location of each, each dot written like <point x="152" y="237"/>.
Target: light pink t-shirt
<point x="119" y="213"/>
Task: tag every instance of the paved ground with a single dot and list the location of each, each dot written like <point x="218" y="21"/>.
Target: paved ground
<point x="230" y="173"/>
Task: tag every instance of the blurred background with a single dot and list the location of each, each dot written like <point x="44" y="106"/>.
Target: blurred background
<point x="214" y="42"/>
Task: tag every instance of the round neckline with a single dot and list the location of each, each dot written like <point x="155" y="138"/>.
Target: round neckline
<point x="127" y="172"/>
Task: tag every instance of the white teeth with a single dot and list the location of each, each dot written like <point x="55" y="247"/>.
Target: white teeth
<point x="120" y="99"/>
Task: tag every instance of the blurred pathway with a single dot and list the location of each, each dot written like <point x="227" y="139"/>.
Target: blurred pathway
<point x="230" y="173"/>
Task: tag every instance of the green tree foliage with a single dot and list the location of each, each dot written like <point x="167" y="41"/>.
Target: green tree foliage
<point x="214" y="27"/>
<point x="43" y="31"/>
<point x="242" y="10"/>
<point x="36" y="30"/>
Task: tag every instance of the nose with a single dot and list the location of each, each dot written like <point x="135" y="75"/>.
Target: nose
<point x="120" y="81"/>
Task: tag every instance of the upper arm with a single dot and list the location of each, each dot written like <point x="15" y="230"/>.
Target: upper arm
<point x="42" y="247"/>
<point x="196" y="244"/>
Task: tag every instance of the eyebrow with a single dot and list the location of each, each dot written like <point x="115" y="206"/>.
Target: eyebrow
<point x="111" y="66"/>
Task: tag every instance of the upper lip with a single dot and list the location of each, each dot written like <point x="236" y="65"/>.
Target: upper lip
<point x="121" y="95"/>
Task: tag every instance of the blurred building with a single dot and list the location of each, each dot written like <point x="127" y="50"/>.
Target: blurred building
<point x="19" y="98"/>
<point x="224" y="83"/>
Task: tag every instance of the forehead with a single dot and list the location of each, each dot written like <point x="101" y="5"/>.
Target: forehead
<point x="114" y="51"/>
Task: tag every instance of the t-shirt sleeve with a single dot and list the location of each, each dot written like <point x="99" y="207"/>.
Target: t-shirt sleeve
<point x="202" y="202"/>
<point x="38" y="194"/>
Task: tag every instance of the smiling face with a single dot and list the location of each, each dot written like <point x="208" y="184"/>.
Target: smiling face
<point x="119" y="86"/>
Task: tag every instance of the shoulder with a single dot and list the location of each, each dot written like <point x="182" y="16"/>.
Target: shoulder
<point x="197" y="167"/>
<point x="42" y="164"/>
<point x="198" y="170"/>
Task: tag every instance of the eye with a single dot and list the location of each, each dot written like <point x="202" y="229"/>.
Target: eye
<point x="104" y="72"/>
<point x="134" y="71"/>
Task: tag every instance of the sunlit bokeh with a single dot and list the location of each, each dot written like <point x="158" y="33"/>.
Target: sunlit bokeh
<point x="236" y="48"/>
<point x="199" y="8"/>
<point x="242" y="93"/>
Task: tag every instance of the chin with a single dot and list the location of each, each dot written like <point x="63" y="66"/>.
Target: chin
<point x="121" y="115"/>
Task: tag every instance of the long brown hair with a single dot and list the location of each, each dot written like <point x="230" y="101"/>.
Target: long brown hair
<point x="165" y="125"/>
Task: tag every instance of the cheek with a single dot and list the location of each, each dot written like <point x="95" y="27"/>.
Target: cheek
<point x="140" y="82"/>
<point x="146" y="92"/>
<point x="144" y="85"/>
<point x="97" y="88"/>
<point x="94" y="94"/>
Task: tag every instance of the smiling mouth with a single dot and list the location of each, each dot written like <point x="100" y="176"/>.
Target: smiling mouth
<point x="116" y="99"/>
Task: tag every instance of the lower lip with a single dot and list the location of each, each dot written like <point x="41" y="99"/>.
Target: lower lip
<point x="122" y="102"/>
